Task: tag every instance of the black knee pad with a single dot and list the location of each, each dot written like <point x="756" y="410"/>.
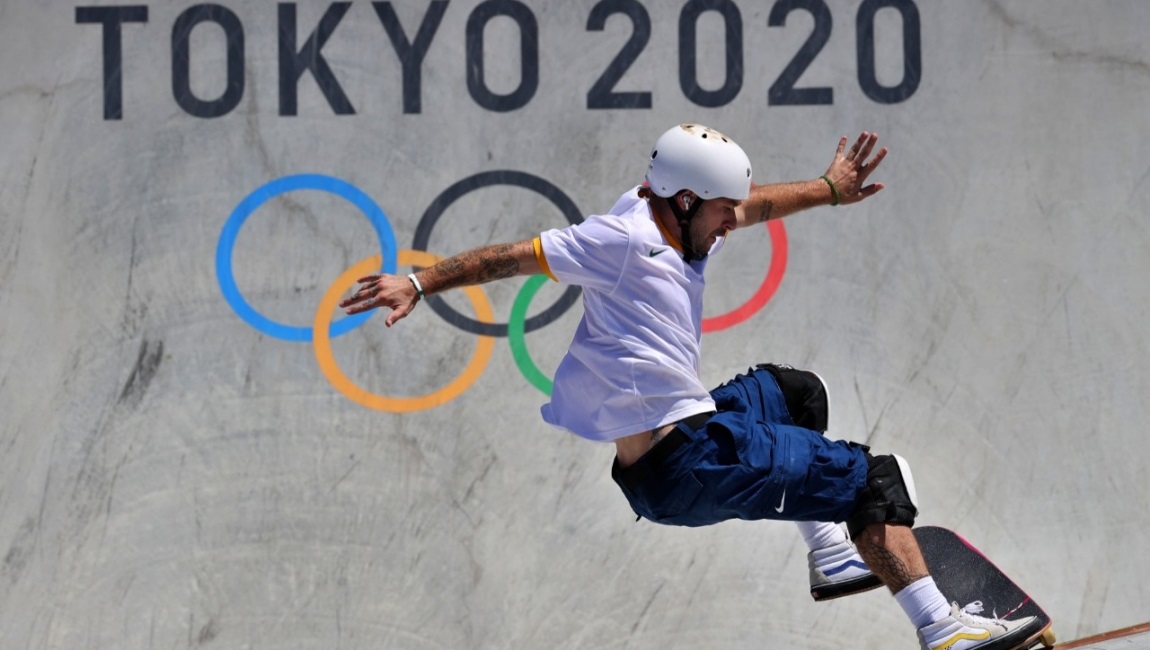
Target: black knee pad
<point x="804" y="393"/>
<point x="888" y="496"/>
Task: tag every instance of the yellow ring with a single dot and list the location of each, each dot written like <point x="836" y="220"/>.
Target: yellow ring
<point x="322" y="341"/>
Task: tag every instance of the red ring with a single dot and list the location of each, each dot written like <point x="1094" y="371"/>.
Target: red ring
<point x="765" y="291"/>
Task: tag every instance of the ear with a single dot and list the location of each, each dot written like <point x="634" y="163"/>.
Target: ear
<point x="686" y="199"/>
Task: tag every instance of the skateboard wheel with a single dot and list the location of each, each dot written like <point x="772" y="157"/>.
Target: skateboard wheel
<point x="1047" y="638"/>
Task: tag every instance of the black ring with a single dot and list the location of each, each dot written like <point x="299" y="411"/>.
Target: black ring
<point x="477" y="181"/>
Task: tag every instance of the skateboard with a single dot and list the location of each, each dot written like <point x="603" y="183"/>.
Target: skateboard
<point x="966" y="576"/>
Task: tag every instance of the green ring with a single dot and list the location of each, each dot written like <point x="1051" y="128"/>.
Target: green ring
<point x="516" y="324"/>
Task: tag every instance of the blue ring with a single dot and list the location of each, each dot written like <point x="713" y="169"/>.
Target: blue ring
<point x="271" y="190"/>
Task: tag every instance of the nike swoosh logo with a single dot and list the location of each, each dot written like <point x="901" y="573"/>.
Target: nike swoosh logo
<point x="655" y="252"/>
<point x="781" y="502"/>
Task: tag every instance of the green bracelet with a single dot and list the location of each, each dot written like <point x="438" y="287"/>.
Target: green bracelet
<point x="834" y="190"/>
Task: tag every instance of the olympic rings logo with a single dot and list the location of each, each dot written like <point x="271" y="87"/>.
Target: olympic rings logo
<point x="323" y="328"/>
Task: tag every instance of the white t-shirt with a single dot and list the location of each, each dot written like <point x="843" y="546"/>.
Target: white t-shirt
<point x="633" y="364"/>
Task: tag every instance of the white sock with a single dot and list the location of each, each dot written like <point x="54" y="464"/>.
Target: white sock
<point x="923" y="602"/>
<point x="819" y="534"/>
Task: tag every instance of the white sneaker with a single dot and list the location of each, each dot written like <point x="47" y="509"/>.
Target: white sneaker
<point x="838" y="571"/>
<point x="963" y="630"/>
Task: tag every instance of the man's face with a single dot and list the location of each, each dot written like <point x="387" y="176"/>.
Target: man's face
<point x="713" y="220"/>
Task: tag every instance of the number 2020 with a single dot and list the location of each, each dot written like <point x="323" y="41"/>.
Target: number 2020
<point x="783" y="91"/>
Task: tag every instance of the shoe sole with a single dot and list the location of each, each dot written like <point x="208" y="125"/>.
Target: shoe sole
<point x="1042" y="637"/>
<point x="847" y="588"/>
<point x="1032" y="639"/>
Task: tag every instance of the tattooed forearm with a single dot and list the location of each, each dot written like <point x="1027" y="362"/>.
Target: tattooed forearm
<point x="502" y="265"/>
<point x="475" y="267"/>
<point x="765" y="211"/>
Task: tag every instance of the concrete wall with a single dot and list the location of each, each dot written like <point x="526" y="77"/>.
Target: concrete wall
<point x="175" y="475"/>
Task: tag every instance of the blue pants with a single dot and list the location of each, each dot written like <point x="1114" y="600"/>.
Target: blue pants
<point x="747" y="461"/>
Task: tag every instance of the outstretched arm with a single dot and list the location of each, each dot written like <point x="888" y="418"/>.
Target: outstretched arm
<point x="848" y="171"/>
<point x="475" y="266"/>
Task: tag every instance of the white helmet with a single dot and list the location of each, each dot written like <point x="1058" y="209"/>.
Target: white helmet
<point x="697" y="158"/>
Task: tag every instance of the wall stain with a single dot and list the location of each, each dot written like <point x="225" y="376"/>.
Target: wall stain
<point x="147" y="363"/>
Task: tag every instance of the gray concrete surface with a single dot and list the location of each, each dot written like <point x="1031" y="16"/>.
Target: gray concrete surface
<point x="173" y="477"/>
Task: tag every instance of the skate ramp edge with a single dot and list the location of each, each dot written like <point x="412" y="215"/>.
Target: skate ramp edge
<point x="1129" y="638"/>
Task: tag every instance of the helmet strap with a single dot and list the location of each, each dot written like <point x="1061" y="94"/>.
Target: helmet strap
<point x="684" y="217"/>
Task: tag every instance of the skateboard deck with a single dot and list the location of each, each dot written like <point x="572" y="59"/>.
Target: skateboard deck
<point x="966" y="576"/>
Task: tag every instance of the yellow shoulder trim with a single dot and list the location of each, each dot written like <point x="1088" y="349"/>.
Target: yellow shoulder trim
<point x="674" y="243"/>
<point x="542" y="259"/>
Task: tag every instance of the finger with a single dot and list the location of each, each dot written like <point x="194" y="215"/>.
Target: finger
<point x="369" y="278"/>
<point x="842" y="147"/>
<point x="861" y="194"/>
<point x="396" y="315"/>
<point x="392" y="318"/>
<point x="865" y="170"/>
<point x="857" y="145"/>
<point x="868" y="146"/>
<point x="368" y="290"/>
<point x="359" y="304"/>
<point x="356" y="309"/>
<point x="363" y="294"/>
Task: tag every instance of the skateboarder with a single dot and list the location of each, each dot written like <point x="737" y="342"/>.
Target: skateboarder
<point x="692" y="457"/>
